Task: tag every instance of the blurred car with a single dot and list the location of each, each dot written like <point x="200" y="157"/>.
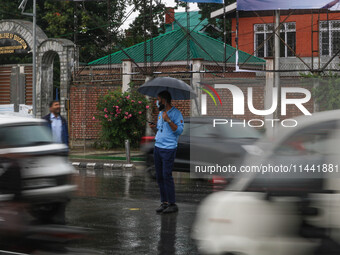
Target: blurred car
<point x="45" y="170"/>
<point x="202" y="143"/>
<point x="296" y="212"/>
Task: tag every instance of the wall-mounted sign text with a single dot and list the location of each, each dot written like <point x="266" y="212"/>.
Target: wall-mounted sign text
<point x="11" y="43"/>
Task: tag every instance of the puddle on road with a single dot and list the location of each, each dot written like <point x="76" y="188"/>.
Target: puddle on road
<point x="137" y="183"/>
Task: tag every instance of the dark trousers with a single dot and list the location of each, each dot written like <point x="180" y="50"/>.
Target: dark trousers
<point x="164" y="162"/>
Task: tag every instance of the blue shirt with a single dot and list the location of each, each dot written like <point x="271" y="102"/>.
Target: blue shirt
<point x="56" y="126"/>
<point x="166" y="138"/>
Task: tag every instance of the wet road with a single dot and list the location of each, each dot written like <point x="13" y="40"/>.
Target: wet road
<point x="119" y="205"/>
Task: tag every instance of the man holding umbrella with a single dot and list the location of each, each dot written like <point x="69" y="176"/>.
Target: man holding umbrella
<point x="169" y="127"/>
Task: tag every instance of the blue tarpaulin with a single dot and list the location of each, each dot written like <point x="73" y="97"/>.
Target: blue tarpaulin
<point x="262" y="5"/>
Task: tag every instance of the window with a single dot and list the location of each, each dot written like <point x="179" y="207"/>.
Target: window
<point x="329" y="37"/>
<point x="264" y="31"/>
<point x="315" y="140"/>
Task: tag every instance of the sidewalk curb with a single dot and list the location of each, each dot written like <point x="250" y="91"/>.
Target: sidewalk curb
<point x="108" y="166"/>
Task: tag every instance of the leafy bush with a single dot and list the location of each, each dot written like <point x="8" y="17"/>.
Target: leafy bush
<point x="327" y="91"/>
<point x="327" y="94"/>
<point x="122" y="116"/>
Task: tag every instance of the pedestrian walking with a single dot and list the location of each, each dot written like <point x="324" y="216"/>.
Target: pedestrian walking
<point x="168" y="128"/>
<point x="57" y="123"/>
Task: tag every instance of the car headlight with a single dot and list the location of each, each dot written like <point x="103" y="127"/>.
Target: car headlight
<point x="39" y="183"/>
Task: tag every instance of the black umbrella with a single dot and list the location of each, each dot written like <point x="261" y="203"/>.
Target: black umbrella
<point x="178" y="89"/>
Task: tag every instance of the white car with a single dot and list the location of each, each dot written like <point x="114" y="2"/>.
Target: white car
<point x="276" y="213"/>
<point x="44" y="167"/>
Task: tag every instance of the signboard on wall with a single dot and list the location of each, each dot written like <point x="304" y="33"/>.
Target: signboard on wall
<point x="11" y="43"/>
<point x="262" y="5"/>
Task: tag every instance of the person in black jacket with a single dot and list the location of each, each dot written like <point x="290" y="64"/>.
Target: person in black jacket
<point x="57" y="123"/>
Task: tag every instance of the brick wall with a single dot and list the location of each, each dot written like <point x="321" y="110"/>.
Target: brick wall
<point x="226" y="110"/>
<point x="303" y="31"/>
<point x="182" y="105"/>
<point x="84" y="98"/>
<point x="83" y="105"/>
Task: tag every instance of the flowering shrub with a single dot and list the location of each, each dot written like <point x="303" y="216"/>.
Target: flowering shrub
<point x="122" y="116"/>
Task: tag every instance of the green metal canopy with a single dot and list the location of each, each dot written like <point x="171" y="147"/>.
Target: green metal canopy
<point x="174" y="45"/>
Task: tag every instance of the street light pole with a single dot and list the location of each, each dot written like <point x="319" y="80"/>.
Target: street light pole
<point x="34" y="82"/>
<point x="34" y="50"/>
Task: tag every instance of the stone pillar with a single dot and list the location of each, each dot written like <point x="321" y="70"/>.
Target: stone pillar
<point x="44" y="86"/>
<point x="148" y="131"/>
<point x="197" y="64"/>
<point x="38" y="105"/>
<point x="17" y="89"/>
<point x="45" y="56"/>
<point x="66" y="69"/>
<point x="47" y="85"/>
<point x="126" y="71"/>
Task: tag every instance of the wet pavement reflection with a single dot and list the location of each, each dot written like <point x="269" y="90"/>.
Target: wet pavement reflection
<point x="119" y="205"/>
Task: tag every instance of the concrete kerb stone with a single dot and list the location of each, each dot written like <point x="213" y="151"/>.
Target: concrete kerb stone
<point x="107" y="166"/>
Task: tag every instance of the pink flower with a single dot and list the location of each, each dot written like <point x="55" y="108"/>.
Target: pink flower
<point x="125" y="117"/>
<point x="140" y="112"/>
<point x="126" y="113"/>
<point x="132" y="101"/>
<point x="116" y="115"/>
<point x="117" y="106"/>
<point x="147" y="107"/>
<point x="106" y="116"/>
<point x="93" y="118"/>
<point x="130" y="115"/>
<point x="139" y="102"/>
<point x="105" y="110"/>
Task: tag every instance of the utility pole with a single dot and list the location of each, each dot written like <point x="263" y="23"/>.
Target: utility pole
<point x="34" y="50"/>
<point x="34" y="83"/>
<point x="277" y="62"/>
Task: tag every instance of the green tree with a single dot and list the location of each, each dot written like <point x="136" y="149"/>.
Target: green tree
<point x="93" y="25"/>
<point x="326" y="90"/>
<point x="135" y="33"/>
<point x="9" y="10"/>
<point x="206" y="9"/>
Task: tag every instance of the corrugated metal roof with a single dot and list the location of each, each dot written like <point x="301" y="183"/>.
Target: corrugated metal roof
<point x="194" y="21"/>
<point x="176" y="41"/>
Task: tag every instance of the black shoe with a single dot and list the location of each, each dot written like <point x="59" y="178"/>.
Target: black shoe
<point x="162" y="207"/>
<point x="172" y="208"/>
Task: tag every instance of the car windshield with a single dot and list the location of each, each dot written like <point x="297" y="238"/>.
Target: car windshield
<point x="24" y="135"/>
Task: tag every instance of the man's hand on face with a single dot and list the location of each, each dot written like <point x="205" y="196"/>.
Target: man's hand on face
<point x="165" y="117"/>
